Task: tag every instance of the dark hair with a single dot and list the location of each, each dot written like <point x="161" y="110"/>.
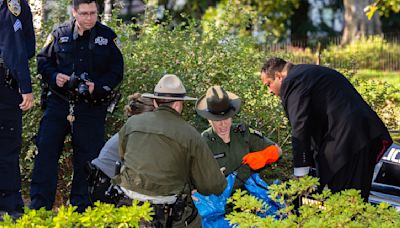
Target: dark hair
<point x="273" y="65"/>
<point x="138" y="104"/>
<point x="76" y="3"/>
<point x="165" y="102"/>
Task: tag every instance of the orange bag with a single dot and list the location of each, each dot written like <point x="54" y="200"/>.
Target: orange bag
<point x="259" y="159"/>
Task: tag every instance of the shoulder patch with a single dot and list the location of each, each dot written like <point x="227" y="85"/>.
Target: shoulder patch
<point x="117" y="43"/>
<point x="49" y="40"/>
<point x="17" y="25"/>
<point x="14" y="6"/>
<point x="255" y="132"/>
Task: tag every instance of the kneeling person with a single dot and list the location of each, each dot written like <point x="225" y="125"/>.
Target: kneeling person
<point x="233" y="144"/>
<point x="104" y="167"/>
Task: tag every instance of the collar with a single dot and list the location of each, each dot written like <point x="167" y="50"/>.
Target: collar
<point x="75" y="34"/>
<point x="168" y="109"/>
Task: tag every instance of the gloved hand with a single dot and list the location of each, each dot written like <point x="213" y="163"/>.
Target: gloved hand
<point x="259" y="159"/>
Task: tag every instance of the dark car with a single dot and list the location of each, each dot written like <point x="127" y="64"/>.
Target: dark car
<point x="386" y="179"/>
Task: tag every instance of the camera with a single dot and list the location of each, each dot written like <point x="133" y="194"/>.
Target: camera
<point x="78" y="83"/>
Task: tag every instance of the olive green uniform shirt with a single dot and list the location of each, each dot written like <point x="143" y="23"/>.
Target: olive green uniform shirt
<point x="163" y="154"/>
<point x="243" y="140"/>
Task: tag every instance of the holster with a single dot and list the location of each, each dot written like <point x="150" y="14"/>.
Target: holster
<point x="6" y="78"/>
<point x="98" y="183"/>
<point x="44" y="95"/>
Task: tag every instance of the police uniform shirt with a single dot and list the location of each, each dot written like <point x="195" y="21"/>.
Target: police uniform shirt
<point x="17" y="40"/>
<point x="243" y="140"/>
<point x="95" y="52"/>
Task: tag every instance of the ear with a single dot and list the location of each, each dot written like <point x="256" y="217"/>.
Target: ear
<point x="74" y="13"/>
<point x="280" y="75"/>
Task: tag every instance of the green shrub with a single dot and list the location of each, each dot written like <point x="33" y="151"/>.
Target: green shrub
<point x="343" y="209"/>
<point x="101" y="215"/>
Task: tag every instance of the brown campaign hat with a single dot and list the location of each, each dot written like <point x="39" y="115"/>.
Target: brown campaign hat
<point x="169" y="87"/>
<point x="218" y="104"/>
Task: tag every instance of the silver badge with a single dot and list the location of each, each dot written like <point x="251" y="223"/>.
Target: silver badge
<point x="14" y="6"/>
<point x="101" y="41"/>
<point x="64" y="39"/>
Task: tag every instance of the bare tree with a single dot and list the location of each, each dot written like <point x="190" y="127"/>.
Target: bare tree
<point x="357" y="23"/>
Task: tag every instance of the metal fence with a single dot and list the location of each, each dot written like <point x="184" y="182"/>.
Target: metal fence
<point x="312" y="51"/>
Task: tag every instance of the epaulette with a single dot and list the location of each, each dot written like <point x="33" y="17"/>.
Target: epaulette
<point x="207" y="135"/>
<point x="255" y="132"/>
<point x="240" y="128"/>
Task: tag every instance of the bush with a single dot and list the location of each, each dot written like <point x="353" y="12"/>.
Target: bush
<point x="101" y="215"/>
<point x="344" y="209"/>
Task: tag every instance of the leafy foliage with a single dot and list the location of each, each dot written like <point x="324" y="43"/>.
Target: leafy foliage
<point x="343" y="209"/>
<point x="246" y="16"/>
<point x="101" y="215"/>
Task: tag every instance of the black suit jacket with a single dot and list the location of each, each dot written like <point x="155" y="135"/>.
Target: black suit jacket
<point x="330" y="120"/>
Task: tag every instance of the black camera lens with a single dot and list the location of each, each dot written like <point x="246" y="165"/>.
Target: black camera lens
<point x="73" y="82"/>
<point x="83" y="89"/>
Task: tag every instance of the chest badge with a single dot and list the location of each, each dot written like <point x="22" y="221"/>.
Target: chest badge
<point x="14" y="6"/>
<point x="101" y="41"/>
<point x="64" y="39"/>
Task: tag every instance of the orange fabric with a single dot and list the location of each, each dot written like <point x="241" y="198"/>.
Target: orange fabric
<point x="259" y="159"/>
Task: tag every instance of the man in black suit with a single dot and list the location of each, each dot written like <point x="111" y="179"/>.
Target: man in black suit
<point x="333" y="128"/>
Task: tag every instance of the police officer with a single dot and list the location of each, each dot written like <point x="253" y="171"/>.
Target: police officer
<point x="81" y="64"/>
<point x="165" y="158"/>
<point x="233" y="144"/>
<point x="17" y="44"/>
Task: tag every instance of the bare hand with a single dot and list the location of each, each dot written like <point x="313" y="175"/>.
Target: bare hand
<point x="91" y="86"/>
<point x="61" y="79"/>
<point x="27" y="101"/>
<point x="194" y="197"/>
<point x="223" y="170"/>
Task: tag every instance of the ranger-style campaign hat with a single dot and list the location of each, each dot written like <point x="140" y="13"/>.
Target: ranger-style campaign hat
<point x="169" y="87"/>
<point x="218" y="104"/>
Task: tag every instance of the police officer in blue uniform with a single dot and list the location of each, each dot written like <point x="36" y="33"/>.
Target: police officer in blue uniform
<point x="81" y="64"/>
<point x="17" y="45"/>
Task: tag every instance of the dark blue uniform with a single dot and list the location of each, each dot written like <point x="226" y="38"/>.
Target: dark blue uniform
<point x="17" y="44"/>
<point x="95" y="53"/>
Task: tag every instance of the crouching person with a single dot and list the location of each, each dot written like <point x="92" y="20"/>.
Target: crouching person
<point x="107" y="165"/>
<point x="164" y="159"/>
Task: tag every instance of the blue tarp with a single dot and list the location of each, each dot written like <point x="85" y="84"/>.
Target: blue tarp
<point x="212" y="208"/>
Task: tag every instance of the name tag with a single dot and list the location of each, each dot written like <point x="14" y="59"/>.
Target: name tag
<point x="221" y="155"/>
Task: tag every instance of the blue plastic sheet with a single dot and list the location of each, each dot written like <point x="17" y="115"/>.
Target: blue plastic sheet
<point x="259" y="189"/>
<point x="212" y="208"/>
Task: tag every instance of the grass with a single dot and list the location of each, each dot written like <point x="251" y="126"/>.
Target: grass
<point x="390" y="77"/>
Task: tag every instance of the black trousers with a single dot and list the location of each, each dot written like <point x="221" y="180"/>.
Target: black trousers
<point x="358" y="173"/>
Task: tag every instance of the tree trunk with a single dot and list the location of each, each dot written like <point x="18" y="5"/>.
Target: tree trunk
<point x="37" y="8"/>
<point x="356" y="23"/>
<point x="108" y="7"/>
